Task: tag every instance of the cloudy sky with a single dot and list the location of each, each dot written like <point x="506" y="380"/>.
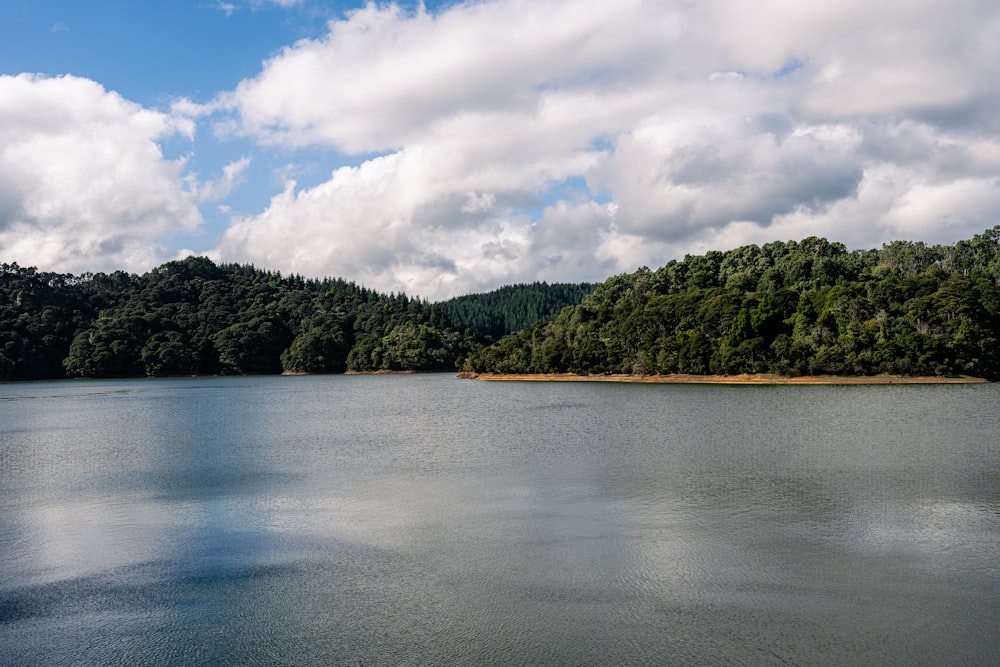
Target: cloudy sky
<point x="446" y="148"/>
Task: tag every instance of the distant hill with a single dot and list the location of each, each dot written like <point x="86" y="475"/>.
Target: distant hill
<point x="796" y="308"/>
<point x="196" y="317"/>
<point x="506" y="310"/>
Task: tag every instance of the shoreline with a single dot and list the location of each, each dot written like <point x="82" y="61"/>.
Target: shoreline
<point x="741" y="379"/>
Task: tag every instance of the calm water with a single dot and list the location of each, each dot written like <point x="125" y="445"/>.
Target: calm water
<point x="404" y="520"/>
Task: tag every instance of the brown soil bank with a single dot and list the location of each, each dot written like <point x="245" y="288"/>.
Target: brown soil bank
<point x="725" y="379"/>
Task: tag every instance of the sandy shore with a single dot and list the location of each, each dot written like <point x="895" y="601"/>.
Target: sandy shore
<point x="724" y="379"/>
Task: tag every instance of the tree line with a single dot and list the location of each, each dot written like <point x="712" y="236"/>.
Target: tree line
<point x="511" y="308"/>
<point x="195" y="317"/>
<point x="797" y="308"/>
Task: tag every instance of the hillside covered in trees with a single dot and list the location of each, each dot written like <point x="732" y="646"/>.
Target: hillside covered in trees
<point x="796" y="308"/>
<point x="196" y="317"/>
<point x="513" y="307"/>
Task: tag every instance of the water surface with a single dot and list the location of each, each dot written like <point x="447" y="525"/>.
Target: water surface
<point x="429" y="520"/>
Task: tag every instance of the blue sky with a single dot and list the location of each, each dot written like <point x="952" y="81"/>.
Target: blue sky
<point x="155" y="52"/>
<point x="443" y="148"/>
<point x="149" y="52"/>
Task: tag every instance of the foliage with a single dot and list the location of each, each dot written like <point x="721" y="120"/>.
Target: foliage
<point x="808" y="307"/>
<point x="39" y="315"/>
<point x="196" y="317"/>
<point x="513" y="307"/>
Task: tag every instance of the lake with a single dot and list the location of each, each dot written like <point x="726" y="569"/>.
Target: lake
<point x="427" y="520"/>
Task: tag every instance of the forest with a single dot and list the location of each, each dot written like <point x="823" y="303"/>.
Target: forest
<point x="193" y="317"/>
<point x="805" y="307"/>
<point x="513" y="307"/>
<point x="796" y="308"/>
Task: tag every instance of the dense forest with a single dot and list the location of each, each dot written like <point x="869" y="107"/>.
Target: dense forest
<point x="795" y="308"/>
<point x="195" y="317"/>
<point x="513" y="307"/>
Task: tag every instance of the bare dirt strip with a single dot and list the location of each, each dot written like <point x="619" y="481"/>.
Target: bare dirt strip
<point x="744" y="378"/>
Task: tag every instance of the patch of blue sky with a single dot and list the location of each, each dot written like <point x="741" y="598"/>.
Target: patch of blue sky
<point x="264" y="178"/>
<point x="573" y="190"/>
<point x="604" y="143"/>
<point x="148" y="52"/>
<point x="432" y="6"/>
<point x="789" y="68"/>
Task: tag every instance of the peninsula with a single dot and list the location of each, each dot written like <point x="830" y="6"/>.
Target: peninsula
<point x="793" y="312"/>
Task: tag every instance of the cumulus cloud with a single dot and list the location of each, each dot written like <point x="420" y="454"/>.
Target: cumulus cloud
<point x="382" y="77"/>
<point x="83" y="183"/>
<point x="232" y="176"/>
<point x="518" y="139"/>
<point x="673" y="180"/>
<point x="496" y="141"/>
<point x="374" y="224"/>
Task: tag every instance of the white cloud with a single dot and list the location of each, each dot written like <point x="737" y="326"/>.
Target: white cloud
<point x="410" y="221"/>
<point x="371" y="223"/>
<point x="83" y="183"/>
<point x="229" y="8"/>
<point x="232" y="175"/>
<point x="494" y="141"/>
<point x="481" y="201"/>
<point x="673" y="180"/>
<point x="381" y="77"/>
<point x="705" y="124"/>
<point x="892" y="202"/>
